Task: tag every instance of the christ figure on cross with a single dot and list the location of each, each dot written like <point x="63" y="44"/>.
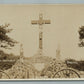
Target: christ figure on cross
<point x="40" y="22"/>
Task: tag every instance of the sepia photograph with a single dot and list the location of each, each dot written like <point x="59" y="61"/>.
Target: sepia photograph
<point x="42" y="42"/>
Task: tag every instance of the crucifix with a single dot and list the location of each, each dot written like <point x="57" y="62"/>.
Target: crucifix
<point x="40" y="22"/>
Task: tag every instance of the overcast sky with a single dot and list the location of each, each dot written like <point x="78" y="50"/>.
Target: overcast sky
<point x="63" y="30"/>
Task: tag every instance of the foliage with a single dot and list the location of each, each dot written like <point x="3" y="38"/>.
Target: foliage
<point x="5" y="41"/>
<point x="81" y="36"/>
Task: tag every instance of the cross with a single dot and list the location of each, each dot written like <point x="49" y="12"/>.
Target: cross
<point x="40" y="22"/>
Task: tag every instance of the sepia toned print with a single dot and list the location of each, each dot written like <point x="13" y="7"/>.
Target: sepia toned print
<point x="42" y="42"/>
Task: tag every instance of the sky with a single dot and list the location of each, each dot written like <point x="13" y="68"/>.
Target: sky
<point x="63" y="30"/>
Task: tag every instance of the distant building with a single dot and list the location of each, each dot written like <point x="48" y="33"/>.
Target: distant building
<point x="58" y="55"/>
<point x="21" y="53"/>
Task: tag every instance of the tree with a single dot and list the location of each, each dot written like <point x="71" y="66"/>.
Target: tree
<point x="81" y="36"/>
<point x="5" y="41"/>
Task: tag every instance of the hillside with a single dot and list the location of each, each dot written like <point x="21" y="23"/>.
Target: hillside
<point x="7" y="60"/>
